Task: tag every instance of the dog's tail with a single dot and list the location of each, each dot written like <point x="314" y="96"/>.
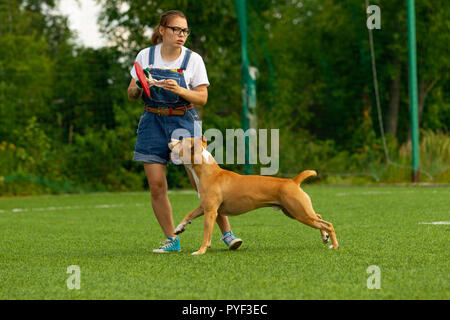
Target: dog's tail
<point x="303" y="175"/>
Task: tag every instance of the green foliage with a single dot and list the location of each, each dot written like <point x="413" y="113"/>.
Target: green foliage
<point x="436" y="162"/>
<point x="37" y="146"/>
<point x="25" y="85"/>
<point x="94" y="162"/>
<point x="30" y="166"/>
<point x="66" y="124"/>
<point x="437" y="116"/>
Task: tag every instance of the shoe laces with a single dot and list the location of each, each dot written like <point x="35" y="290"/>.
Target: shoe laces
<point x="228" y="237"/>
<point x="163" y="243"/>
<point x="167" y="243"/>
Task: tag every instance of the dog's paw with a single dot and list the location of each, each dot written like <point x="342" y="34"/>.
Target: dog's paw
<point x="180" y="228"/>
<point x="197" y="253"/>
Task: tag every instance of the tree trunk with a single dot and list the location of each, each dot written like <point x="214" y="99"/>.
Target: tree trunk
<point x="394" y="101"/>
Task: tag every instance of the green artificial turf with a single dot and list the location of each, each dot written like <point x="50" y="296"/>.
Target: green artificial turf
<point x="110" y="237"/>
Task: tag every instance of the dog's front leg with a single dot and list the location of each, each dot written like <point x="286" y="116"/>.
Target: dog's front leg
<point x="209" y="221"/>
<point x="197" y="212"/>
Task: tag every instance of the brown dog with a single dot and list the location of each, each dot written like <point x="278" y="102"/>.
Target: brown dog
<point x="227" y="193"/>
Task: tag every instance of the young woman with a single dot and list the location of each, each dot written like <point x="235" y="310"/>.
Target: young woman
<point x="182" y="83"/>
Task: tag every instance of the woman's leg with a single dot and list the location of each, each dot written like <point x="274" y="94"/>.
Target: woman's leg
<point x="156" y="177"/>
<point x="222" y="221"/>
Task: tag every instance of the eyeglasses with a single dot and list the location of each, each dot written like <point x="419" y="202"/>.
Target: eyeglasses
<point x="179" y="31"/>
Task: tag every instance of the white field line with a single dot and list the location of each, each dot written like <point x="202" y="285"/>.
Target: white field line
<point x="99" y="206"/>
<point x="369" y="193"/>
<point x="436" y="222"/>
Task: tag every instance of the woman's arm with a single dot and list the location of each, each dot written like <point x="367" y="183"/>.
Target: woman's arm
<point x="134" y="92"/>
<point x="197" y="96"/>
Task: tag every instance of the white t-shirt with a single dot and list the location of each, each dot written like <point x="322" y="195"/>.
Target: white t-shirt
<point x="194" y="75"/>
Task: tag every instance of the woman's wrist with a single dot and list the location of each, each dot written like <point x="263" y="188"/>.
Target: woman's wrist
<point x="134" y="93"/>
<point x="195" y="97"/>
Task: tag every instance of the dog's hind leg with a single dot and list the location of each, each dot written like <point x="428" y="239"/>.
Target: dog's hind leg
<point x="325" y="235"/>
<point x="197" y="212"/>
<point x="325" y="226"/>
<point x="287" y="213"/>
<point x="300" y="207"/>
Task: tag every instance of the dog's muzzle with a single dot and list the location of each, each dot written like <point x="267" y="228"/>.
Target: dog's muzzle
<point x="175" y="158"/>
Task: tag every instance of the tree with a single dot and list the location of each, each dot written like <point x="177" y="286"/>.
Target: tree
<point x="25" y="69"/>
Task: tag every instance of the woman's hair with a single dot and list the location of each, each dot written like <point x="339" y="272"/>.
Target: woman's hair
<point x="164" y="21"/>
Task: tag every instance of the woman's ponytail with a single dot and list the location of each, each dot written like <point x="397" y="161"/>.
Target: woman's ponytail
<point x="156" y="36"/>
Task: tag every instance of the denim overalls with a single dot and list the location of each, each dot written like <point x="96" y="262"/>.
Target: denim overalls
<point x="155" y="131"/>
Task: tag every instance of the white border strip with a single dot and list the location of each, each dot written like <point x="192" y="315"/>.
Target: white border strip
<point x="369" y="193"/>
<point x="99" y="206"/>
<point x="436" y="222"/>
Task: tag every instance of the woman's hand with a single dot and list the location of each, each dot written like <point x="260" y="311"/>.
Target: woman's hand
<point x="197" y="96"/>
<point x="173" y="86"/>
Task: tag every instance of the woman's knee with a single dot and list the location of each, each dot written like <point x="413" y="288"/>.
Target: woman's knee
<point x="156" y="178"/>
<point x="158" y="188"/>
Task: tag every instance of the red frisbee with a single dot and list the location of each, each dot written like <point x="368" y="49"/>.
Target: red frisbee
<point x="142" y="78"/>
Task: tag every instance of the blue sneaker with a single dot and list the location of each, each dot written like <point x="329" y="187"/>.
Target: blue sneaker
<point x="231" y="241"/>
<point x="171" y="244"/>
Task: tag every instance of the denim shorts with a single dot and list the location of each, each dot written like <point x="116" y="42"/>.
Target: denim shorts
<point x="155" y="131"/>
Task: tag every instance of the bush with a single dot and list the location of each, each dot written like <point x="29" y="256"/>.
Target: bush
<point x="368" y="163"/>
<point x="97" y="161"/>
<point x="31" y="165"/>
<point x="434" y="152"/>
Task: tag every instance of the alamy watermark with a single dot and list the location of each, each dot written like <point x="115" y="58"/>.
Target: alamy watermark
<point x="374" y="20"/>
<point x="258" y="146"/>
<point x="374" y="280"/>
<point x="74" y="281"/>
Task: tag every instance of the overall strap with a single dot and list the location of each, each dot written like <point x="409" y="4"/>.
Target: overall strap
<point x="151" y="56"/>
<point x="186" y="59"/>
